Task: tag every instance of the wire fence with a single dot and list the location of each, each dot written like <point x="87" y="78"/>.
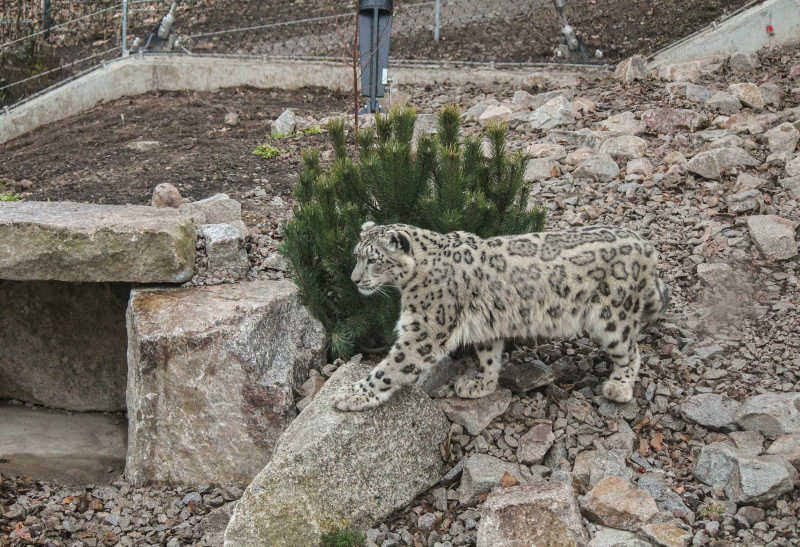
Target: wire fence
<point x="43" y="42"/>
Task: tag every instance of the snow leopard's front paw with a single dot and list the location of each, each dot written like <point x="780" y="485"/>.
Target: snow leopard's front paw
<point x="357" y="397"/>
<point x="474" y="387"/>
<point x="618" y="391"/>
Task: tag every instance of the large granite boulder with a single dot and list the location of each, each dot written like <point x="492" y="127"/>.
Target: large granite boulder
<point x="212" y="373"/>
<point x="63" y="241"/>
<point x="63" y="344"/>
<point x="334" y="469"/>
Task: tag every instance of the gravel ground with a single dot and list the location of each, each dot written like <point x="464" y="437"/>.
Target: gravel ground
<point x="736" y="336"/>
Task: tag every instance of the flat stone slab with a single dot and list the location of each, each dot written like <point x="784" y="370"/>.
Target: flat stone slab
<point x="74" y="449"/>
<point x="62" y="345"/>
<point x="65" y="241"/>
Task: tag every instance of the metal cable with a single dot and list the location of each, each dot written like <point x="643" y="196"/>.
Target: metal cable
<point x="12" y="42"/>
<point x="56" y="69"/>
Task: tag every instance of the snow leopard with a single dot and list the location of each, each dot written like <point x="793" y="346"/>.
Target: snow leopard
<point x="458" y="289"/>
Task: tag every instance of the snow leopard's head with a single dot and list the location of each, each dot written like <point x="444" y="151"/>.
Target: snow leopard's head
<point x="384" y="257"/>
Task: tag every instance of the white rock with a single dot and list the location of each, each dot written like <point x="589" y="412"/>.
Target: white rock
<point x="775" y="238"/>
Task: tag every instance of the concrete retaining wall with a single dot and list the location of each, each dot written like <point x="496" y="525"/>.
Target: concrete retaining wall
<point x="139" y="74"/>
<point x="745" y="32"/>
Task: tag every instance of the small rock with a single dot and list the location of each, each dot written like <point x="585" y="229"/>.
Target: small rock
<point x="771" y="93"/>
<point x="624" y="147"/>
<point x="724" y="103"/>
<point x="747" y="201"/>
<point x="665" y="497"/>
<point x="608" y="463"/>
<point x="690" y="71"/>
<point x="481" y="473"/>
<point x="541" y="169"/>
<point x="713" y="275"/>
<point x="426" y="522"/>
<point x="166" y="195"/>
<point x="773" y="414"/>
<point x="535" y="443"/>
<point x="554" y="113"/>
<point x="143" y="146"/>
<point x="610" y="537"/>
<point x="624" y="123"/>
<point x="670" y="120"/>
<point x="666" y="534"/>
<point x="747" y="443"/>
<point x="744" y="62"/>
<point x="631" y="69"/>
<point x="600" y="167"/>
<point x="749" y="94"/>
<point x="787" y="446"/>
<point x="761" y="480"/>
<point x="792" y="185"/>
<point x="494" y="114"/>
<point x="285" y="124"/>
<point x="748" y="515"/>
<point x="232" y="119"/>
<point x="783" y="138"/>
<point x="526" y="376"/>
<point x="746" y="181"/>
<point x="639" y="166"/>
<point x="547" y="150"/>
<point x="615" y="502"/>
<point x="507" y="516"/>
<point x="716" y="464"/>
<point x="476" y="414"/>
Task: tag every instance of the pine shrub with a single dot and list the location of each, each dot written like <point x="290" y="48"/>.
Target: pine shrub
<point x="445" y="183"/>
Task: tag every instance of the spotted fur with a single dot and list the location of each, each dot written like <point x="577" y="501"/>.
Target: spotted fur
<point x="458" y="289"/>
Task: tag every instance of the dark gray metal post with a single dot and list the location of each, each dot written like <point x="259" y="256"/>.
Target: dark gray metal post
<point x="375" y="23"/>
<point x="46" y="21"/>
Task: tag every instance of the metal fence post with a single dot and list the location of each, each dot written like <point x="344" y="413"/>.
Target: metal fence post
<point x="437" y="10"/>
<point x="124" y="28"/>
<point x="46" y="22"/>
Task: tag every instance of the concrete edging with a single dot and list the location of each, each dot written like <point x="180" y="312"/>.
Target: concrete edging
<point x="139" y="74"/>
<point x="744" y="32"/>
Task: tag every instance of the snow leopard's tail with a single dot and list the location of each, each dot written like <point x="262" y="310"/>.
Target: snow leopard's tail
<point x="656" y="305"/>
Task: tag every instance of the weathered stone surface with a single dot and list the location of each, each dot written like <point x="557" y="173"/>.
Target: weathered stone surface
<point x="792" y="184"/>
<point x="745" y="181"/>
<point x="624" y="123"/>
<point x="524" y="377"/>
<point x="724" y="103"/>
<point x="787" y="446"/>
<point x="222" y="360"/>
<point x="749" y="94"/>
<point x="665" y="497"/>
<point x="749" y="515"/>
<point x="771" y="93"/>
<point x="541" y="169"/>
<point x="783" y="138"/>
<point x="625" y="147"/>
<point x="705" y="164"/>
<point x="747" y="443"/>
<point x="713" y="274"/>
<point x="476" y="414"/>
<point x="600" y="167"/>
<point x="225" y="249"/>
<point x="631" y="69"/>
<point x="481" y="473"/>
<point x="63" y="344"/>
<point x="639" y="166"/>
<point x="711" y="409"/>
<point x="617" y="503"/>
<point x="773" y="414"/>
<point x="143" y="146"/>
<point x="494" y="114"/>
<point x="716" y="464"/>
<point x="608" y="463"/>
<point x="218" y="209"/>
<point x="666" y="534"/>
<point x="761" y="480"/>
<point x="553" y="113"/>
<point x="542" y="513"/>
<point x="166" y="195"/>
<point x="744" y="62"/>
<point x="691" y="71"/>
<point x="689" y="91"/>
<point x="610" y="537"/>
<point x="534" y="444"/>
<point x="773" y="235"/>
<point x="285" y="124"/>
<point x="333" y="469"/>
<point x="672" y="120"/>
<point x="746" y="201"/>
<point x="72" y="449"/>
<point x="547" y="150"/>
<point x="64" y="241"/>
<point x="582" y="467"/>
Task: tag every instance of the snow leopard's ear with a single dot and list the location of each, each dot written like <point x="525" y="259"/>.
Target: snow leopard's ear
<point x="366" y="227"/>
<point x="395" y="240"/>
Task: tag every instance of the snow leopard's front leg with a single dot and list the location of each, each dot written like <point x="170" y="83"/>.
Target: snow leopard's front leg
<point x="405" y="362"/>
<point x="482" y="382"/>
